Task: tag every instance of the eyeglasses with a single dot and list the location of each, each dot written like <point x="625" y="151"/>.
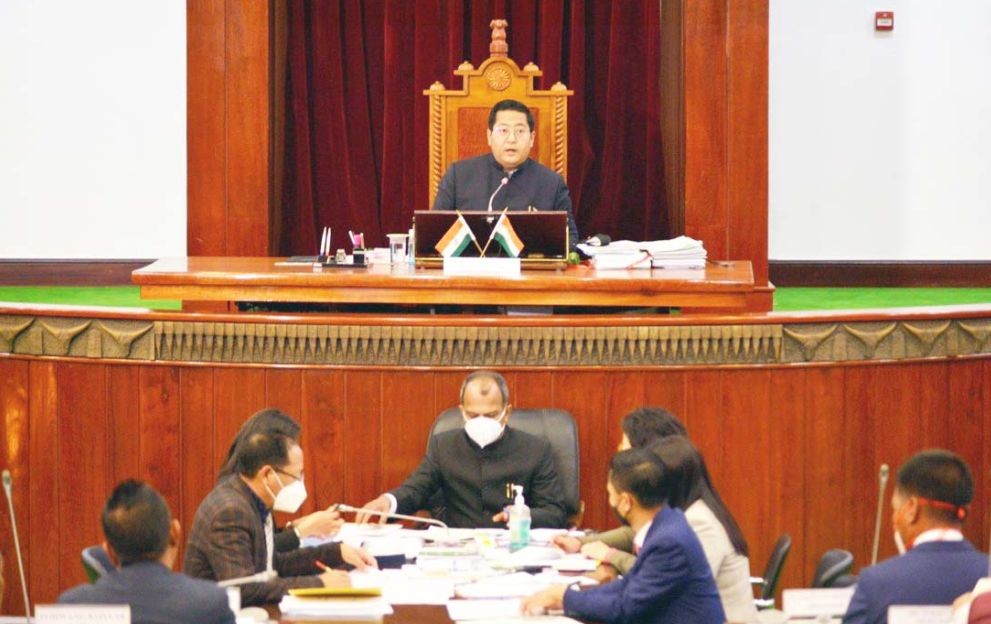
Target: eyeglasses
<point x="289" y="474"/>
<point x="519" y="132"/>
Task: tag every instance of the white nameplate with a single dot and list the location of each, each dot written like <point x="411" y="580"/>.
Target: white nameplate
<point x="920" y="614"/>
<point x="85" y="614"/>
<point x="812" y="603"/>
<point x="497" y="267"/>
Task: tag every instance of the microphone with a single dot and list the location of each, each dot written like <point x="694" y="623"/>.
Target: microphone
<point x="258" y="577"/>
<point x="883" y="482"/>
<point x="502" y="183"/>
<point x="398" y="516"/>
<point x="598" y="240"/>
<point x="8" y="483"/>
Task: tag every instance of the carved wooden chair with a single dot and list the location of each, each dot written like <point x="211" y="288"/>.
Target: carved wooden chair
<point x="459" y="117"/>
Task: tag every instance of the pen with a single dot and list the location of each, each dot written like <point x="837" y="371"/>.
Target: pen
<point x="323" y="566"/>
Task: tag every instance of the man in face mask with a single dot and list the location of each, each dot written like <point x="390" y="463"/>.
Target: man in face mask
<point x="936" y="564"/>
<point x="471" y="468"/>
<point x="670" y="581"/>
<point x="232" y="534"/>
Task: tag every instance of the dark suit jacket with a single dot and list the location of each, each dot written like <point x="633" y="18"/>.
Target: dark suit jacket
<point x="228" y="541"/>
<point x="468" y="184"/>
<point x="156" y="595"/>
<point x="670" y="582"/>
<point x="473" y="480"/>
<point x="933" y="573"/>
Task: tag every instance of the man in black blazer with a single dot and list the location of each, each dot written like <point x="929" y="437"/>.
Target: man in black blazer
<point x="232" y="534"/>
<point x="473" y="467"/>
<point x="930" y="501"/>
<point x="143" y="539"/>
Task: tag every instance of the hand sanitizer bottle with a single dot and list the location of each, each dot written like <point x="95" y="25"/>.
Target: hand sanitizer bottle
<point x="519" y="521"/>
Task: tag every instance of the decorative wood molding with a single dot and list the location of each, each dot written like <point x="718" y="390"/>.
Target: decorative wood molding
<point x="77" y="337"/>
<point x="874" y="274"/>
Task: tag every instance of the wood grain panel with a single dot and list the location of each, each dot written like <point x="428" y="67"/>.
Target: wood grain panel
<point x="703" y="413"/>
<point x="325" y="395"/>
<point x="861" y="464"/>
<point x="284" y="391"/>
<point x="45" y="516"/>
<point x="964" y="431"/>
<point x="196" y="432"/>
<point x="124" y="414"/>
<point x="527" y="389"/>
<point x="84" y="463"/>
<point x="237" y="394"/>
<point x="206" y="131"/>
<point x="373" y="462"/>
<point x="161" y="404"/>
<point x="15" y="424"/>
<point x="414" y="396"/>
<point x="666" y="389"/>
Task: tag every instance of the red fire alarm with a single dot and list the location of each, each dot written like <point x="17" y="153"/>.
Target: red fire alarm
<point x="884" y="20"/>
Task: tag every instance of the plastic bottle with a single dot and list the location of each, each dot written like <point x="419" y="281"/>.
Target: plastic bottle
<point x="519" y="521"/>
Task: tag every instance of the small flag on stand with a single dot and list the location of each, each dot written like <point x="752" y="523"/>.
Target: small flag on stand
<point x="456" y="239"/>
<point x="504" y="234"/>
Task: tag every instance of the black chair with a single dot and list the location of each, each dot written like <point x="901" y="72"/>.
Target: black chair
<point x="833" y="565"/>
<point x="557" y="427"/>
<point x="96" y="562"/>
<point x="772" y="573"/>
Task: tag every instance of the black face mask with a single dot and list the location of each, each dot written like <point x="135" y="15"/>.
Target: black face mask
<point x="619" y="516"/>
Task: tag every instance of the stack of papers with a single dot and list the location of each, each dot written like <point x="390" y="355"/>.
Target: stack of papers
<point x="682" y="252"/>
<point x="336" y="603"/>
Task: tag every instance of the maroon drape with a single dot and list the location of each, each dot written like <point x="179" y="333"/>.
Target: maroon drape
<point x="356" y="129"/>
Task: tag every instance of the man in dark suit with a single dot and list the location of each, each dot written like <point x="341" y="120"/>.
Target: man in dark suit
<point x="930" y="500"/>
<point x="143" y="540"/>
<point x="232" y="534"/>
<point x="670" y="582"/>
<point x="473" y="467"/>
<point x="468" y="184"/>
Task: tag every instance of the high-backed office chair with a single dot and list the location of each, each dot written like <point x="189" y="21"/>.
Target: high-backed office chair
<point x="772" y="573"/>
<point x="96" y="562"/>
<point x="833" y="566"/>
<point x="459" y="117"/>
<point x="558" y="428"/>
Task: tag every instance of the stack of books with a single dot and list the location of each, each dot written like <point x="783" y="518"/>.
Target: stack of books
<point x="682" y="252"/>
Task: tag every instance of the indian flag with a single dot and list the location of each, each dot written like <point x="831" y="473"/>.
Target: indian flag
<point x="456" y="239"/>
<point x="504" y="234"/>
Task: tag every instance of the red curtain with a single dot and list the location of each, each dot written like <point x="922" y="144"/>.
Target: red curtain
<point x="356" y="119"/>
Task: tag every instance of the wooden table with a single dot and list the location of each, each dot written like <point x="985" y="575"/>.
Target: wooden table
<point x="725" y="285"/>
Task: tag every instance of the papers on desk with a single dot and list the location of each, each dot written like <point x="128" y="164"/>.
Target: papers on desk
<point x="497" y="612"/>
<point x="335" y="608"/>
<point x="811" y="603"/>
<point x="682" y="252"/>
<point x="73" y="614"/>
<point x="920" y="614"/>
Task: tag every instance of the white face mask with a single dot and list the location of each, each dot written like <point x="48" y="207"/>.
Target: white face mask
<point x="290" y="497"/>
<point x="484" y="430"/>
<point x="900" y="543"/>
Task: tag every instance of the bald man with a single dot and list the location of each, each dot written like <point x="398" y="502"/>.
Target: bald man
<point x="472" y="467"/>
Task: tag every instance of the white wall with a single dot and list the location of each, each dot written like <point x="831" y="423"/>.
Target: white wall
<point x="880" y="144"/>
<point x="92" y="128"/>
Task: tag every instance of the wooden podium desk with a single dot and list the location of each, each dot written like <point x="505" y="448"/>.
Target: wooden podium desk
<point x="725" y="285"/>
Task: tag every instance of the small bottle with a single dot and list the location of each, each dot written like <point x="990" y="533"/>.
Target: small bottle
<point x="519" y="521"/>
<point x="411" y="248"/>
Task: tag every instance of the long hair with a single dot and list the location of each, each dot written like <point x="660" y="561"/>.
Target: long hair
<point x="687" y="479"/>
<point x="269" y="420"/>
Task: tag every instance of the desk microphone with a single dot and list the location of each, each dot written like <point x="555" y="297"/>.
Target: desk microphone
<point x="502" y="183"/>
<point x="398" y="516"/>
<point x="8" y="482"/>
<point x="259" y="577"/>
<point x="883" y="482"/>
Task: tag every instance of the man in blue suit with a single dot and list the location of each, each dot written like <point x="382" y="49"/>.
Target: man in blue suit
<point x="930" y="500"/>
<point x="143" y="539"/>
<point x="670" y="582"/>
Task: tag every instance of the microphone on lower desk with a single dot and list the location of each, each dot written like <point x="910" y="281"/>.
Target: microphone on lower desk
<point x="8" y="483"/>
<point x="258" y="577"/>
<point x="883" y="482"/>
<point x="389" y="514"/>
<point x="502" y="183"/>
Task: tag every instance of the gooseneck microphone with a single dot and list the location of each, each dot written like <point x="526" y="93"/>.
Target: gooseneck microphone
<point x="883" y="482"/>
<point x="8" y="483"/>
<point x="398" y="516"/>
<point x="502" y="183"/>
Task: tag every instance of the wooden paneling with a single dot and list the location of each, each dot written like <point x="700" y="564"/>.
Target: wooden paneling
<point x="15" y="272"/>
<point x="791" y="449"/>
<point x="229" y="127"/>
<point x="15" y="425"/>
<point x="874" y="274"/>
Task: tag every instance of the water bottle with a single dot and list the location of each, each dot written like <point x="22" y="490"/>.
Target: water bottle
<point x="519" y="521"/>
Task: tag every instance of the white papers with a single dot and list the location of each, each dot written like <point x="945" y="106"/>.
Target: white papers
<point x="576" y="562"/>
<point x="920" y="614"/>
<point x="682" y="252"/>
<point x="406" y="586"/>
<point x="461" y="610"/>
<point x="335" y="608"/>
<point x="816" y="602"/>
<point x="86" y="614"/>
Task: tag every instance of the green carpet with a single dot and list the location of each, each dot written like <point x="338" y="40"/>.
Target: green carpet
<point x="785" y="299"/>
<point x="111" y="296"/>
